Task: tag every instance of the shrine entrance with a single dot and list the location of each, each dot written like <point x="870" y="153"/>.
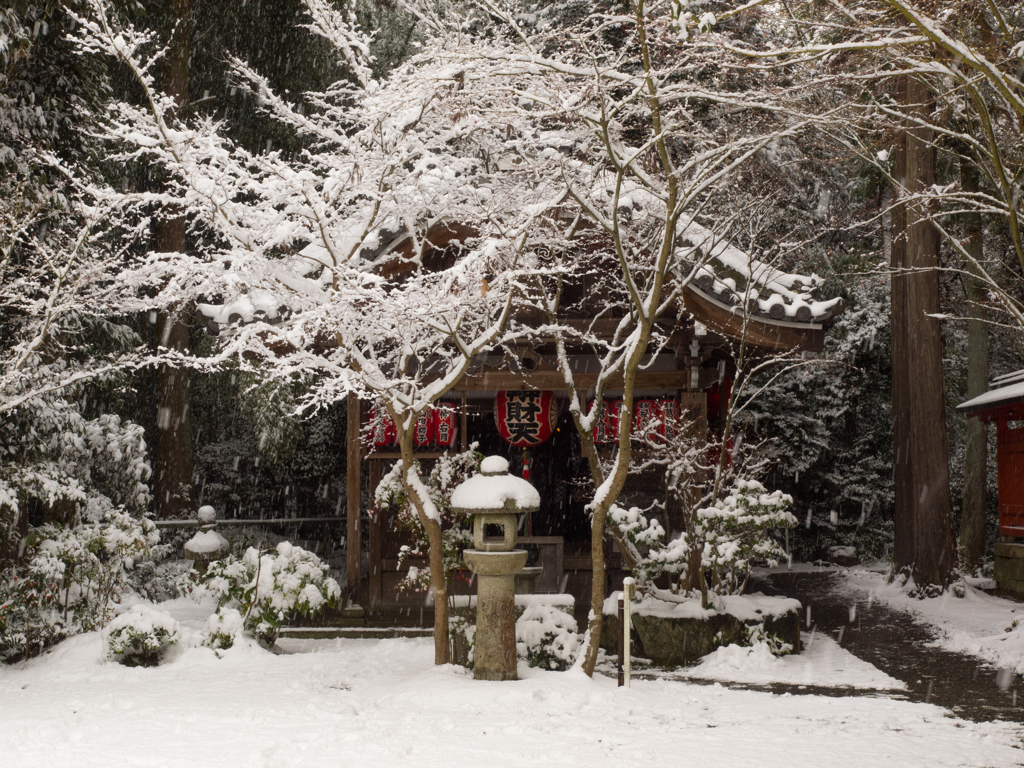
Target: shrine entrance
<point x="558" y="534"/>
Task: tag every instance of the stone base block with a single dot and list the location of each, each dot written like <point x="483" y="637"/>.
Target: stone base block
<point x="1009" y="568"/>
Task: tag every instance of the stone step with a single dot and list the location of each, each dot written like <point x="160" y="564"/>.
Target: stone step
<point x="329" y="633"/>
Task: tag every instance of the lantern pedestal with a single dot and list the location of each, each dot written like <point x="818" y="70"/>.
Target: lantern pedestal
<point x="494" y="498"/>
<point x="494" y="657"/>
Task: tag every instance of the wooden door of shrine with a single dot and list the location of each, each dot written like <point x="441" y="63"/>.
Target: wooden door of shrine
<point x="1011" y="477"/>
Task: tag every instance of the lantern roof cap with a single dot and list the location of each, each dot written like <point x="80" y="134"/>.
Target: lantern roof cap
<point x="494" y="491"/>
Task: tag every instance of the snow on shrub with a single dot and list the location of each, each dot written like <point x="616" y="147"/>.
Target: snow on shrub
<point x="222" y="629"/>
<point x="646" y="536"/>
<point x="731" y="534"/>
<point x="735" y="533"/>
<point x="140" y="636"/>
<point x="546" y="637"/>
<point x="758" y="636"/>
<point x="163" y="574"/>
<point x="448" y="472"/>
<point x="272" y="589"/>
<point x="31" y="616"/>
<point x="70" y="577"/>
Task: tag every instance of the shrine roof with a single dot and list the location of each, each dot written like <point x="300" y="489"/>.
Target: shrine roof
<point x="1003" y="390"/>
<point x="731" y="291"/>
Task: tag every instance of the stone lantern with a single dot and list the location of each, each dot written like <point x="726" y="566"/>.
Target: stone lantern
<point x="207" y="545"/>
<point x="495" y="499"/>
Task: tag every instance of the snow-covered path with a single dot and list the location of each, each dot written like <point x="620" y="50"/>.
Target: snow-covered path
<point x="382" y="703"/>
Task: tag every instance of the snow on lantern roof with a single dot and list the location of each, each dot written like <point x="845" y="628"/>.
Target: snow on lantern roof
<point x="494" y="465"/>
<point x="1003" y="390"/>
<point x="494" y="490"/>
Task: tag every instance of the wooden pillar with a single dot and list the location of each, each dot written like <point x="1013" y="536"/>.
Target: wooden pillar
<point x="463" y="437"/>
<point x="376" y="582"/>
<point x="353" y="496"/>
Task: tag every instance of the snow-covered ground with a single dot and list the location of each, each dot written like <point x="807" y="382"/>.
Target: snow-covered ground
<point x="821" y="663"/>
<point x="991" y="628"/>
<point x="383" y="703"/>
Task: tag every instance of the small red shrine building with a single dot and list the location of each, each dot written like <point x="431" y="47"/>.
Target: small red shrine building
<point x="1004" y="405"/>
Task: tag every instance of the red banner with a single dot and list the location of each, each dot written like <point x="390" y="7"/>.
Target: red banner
<point x="606" y="430"/>
<point x="423" y="431"/>
<point x="382" y="428"/>
<point x="445" y="424"/>
<point x="646" y="420"/>
<point x="669" y="418"/>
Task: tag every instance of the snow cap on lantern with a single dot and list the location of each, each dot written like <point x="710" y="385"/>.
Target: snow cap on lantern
<point x="494" y="497"/>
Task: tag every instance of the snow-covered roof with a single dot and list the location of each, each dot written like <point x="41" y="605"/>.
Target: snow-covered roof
<point x="1003" y="390"/>
<point x="728" y="277"/>
<point x="734" y="278"/>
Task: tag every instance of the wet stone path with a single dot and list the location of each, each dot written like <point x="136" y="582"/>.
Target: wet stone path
<point x="896" y="644"/>
<point x="892" y="641"/>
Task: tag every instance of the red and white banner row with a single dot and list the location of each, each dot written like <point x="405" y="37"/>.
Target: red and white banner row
<point x="437" y="427"/>
<point x="653" y="420"/>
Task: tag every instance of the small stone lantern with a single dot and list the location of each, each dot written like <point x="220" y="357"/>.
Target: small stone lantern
<point x="207" y="545"/>
<point x="494" y="499"/>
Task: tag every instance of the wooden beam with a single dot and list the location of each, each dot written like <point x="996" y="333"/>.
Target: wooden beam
<point x="553" y="380"/>
<point x="353" y="494"/>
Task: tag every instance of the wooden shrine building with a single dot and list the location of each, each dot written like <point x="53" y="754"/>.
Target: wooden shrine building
<point x="1004" y="405"/>
<point x="691" y="374"/>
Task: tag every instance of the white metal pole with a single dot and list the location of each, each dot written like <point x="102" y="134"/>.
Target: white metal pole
<point x="628" y="591"/>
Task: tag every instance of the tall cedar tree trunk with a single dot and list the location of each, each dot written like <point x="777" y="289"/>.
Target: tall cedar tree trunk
<point x="903" y="520"/>
<point x="972" y="521"/>
<point x="172" y="484"/>
<point x="925" y="546"/>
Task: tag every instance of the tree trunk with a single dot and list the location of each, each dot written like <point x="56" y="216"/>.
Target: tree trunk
<point x="442" y="646"/>
<point x="612" y="487"/>
<point x="438" y="579"/>
<point x="903" y="517"/>
<point x="931" y="550"/>
<point x="972" y="521"/>
<point x="172" y="483"/>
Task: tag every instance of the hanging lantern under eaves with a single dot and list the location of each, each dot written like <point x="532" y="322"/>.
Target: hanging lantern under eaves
<point x="525" y="418"/>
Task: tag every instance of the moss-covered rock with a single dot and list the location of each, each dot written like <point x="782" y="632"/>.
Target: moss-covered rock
<point x="679" y="634"/>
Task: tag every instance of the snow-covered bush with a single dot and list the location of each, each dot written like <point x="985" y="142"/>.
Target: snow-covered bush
<point x="163" y="574"/>
<point x="272" y="589"/>
<point x="735" y="533"/>
<point x="546" y="637"/>
<point x="730" y="534"/>
<point x="223" y="628"/>
<point x="758" y="636"/>
<point x="655" y="556"/>
<point x="462" y="639"/>
<point x="140" y="636"/>
<point x="31" y="617"/>
<point x="448" y="472"/>
<point x="69" y="578"/>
